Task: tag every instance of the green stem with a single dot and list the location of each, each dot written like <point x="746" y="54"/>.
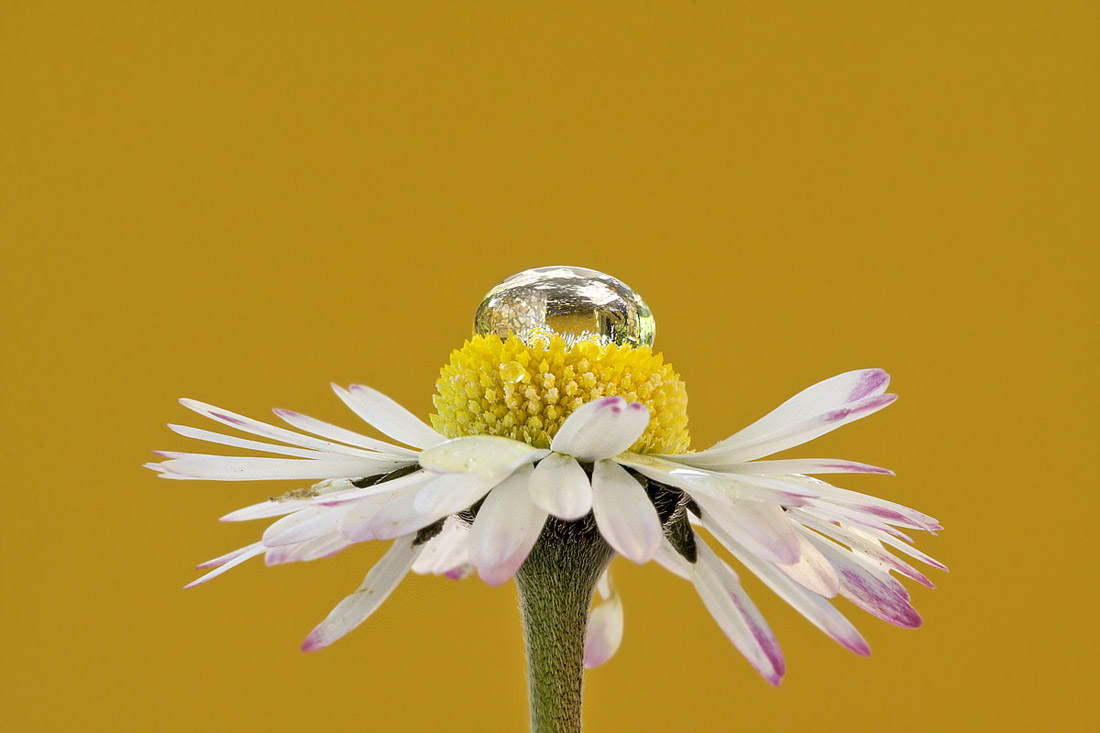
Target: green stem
<point x="555" y="592"/>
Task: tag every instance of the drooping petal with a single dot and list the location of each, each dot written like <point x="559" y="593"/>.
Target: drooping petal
<point x="198" y="466"/>
<point x="506" y="528"/>
<point x="249" y="425"/>
<point x="343" y="435"/>
<point x="376" y="587"/>
<point x="600" y="429"/>
<point x="238" y="557"/>
<point x="763" y="528"/>
<point x="388" y="416"/>
<point x="605" y="625"/>
<point x="724" y="485"/>
<point x="817" y="610"/>
<point x="446" y="554"/>
<point x="868" y="587"/>
<point x="561" y="487"/>
<point x="736" y="614"/>
<point x="625" y="515"/>
<point x="812" y="571"/>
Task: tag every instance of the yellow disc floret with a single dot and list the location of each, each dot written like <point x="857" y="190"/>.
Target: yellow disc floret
<point x="506" y="387"/>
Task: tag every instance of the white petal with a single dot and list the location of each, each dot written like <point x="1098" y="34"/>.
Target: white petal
<point x="816" y="609"/>
<point x="278" y="506"/>
<point x="249" y="468"/>
<point x="450" y="493"/>
<point x="739" y="450"/>
<point x="446" y="554"/>
<point x="625" y="515"/>
<point x="812" y="571"/>
<point x="302" y="525"/>
<point x="831" y="394"/>
<point x="211" y="437"/>
<point x="506" y="528"/>
<point x="245" y="553"/>
<point x="376" y="587"/>
<point x="248" y="425"/>
<point x="672" y="561"/>
<point x="488" y="456"/>
<point x="388" y="416"/>
<point x="391" y="513"/>
<point x="869" y="543"/>
<point x="603" y="428"/>
<point x="867" y="586"/>
<point x="605" y="625"/>
<point x="724" y="485"/>
<point x="763" y="528"/>
<point x="799" y="465"/>
<point x="886" y="511"/>
<point x="736" y="614"/>
<point x="561" y="487"/>
<point x="343" y="435"/>
<point x="314" y="549"/>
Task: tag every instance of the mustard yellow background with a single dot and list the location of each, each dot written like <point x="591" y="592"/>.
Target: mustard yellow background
<point x="241" y="201"/>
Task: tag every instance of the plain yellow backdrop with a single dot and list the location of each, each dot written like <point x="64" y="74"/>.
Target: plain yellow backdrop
<point x="242" y="201"/>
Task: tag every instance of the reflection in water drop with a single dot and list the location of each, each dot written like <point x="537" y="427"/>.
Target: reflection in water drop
<point x="572" y="302"/>
<point x="512" y="371"/>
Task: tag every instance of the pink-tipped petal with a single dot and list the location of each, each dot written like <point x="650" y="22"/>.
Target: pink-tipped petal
<point x="735" y="613"/>
<point x="600" y="429"/>
<point x="376" y="587"/>
<point x="605" y="625"/>
<point x="447" y="553"/>
<point x="245" y="553"/>
<point x="817" y="610"/>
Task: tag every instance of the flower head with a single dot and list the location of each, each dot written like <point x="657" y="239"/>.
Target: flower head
<point x="541" y="436"/>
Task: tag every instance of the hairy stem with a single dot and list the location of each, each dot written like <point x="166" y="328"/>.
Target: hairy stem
<point x="555" y="591"/>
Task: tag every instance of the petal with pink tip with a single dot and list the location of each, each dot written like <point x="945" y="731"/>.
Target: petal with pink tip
<point x="603" y="428"/>
<point x="386" y="575"/>
<point x="245" y="553"/>
<point x="605" y="625"/>
<point x="738" y="449"/>
<point x="736" y="614"/>
<point x="817" y="610"/>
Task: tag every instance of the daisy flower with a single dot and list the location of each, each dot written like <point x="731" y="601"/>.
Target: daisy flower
<point x="554" y="448"/>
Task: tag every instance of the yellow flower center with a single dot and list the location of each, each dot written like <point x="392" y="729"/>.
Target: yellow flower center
<point x="505" y="387"/>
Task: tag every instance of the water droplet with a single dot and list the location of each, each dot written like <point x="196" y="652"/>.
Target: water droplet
<point x="572" y="302"/>
<point x="512" y="371"/>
